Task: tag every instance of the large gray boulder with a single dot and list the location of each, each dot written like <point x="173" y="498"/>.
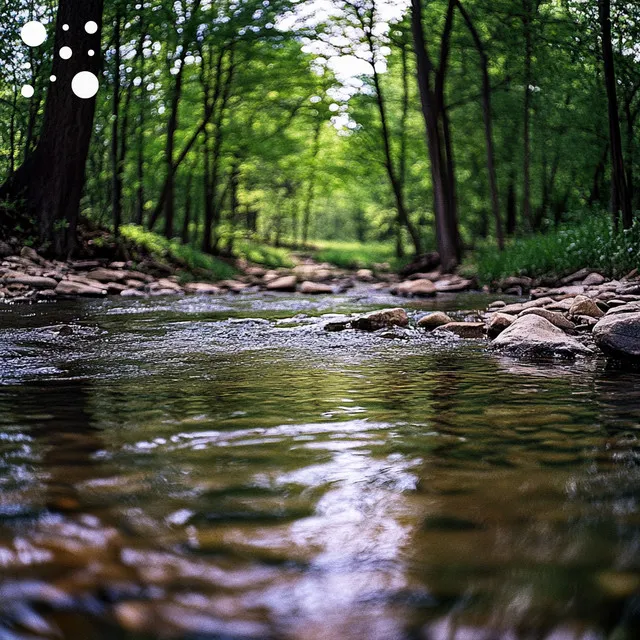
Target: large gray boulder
<point x="533" y="335"/>
<point x="618" y="335"/>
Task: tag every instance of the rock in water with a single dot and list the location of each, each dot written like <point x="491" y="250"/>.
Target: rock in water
<point x="433" y="320"/>
<point x="314" y="288"/>
<point x="618" y="335"/>
<point x="532" y="335"/>
<point x="286" y="283"/>
<point x="464" y="329"/>
<point x="498" y="323"/>
<point x="553" y="317"/>
<point x="381" y="320"/>
<point x="583" y="306"/>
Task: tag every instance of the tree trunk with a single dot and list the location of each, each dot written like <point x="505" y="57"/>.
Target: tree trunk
<point x="432" y="106"/>
<point x="139" y="214"/>
<point x="49" y="184"/>
<point x="396" y="184"/>
<point x="116" y="175"/>
<point x="620" y="192"/>
<point x="528" y="83"/>
<point x="488" y="126"/>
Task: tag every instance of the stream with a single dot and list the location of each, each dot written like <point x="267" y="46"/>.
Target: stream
<point x="223" y="468"/>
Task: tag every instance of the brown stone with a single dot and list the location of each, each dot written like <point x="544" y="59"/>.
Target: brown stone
<point x="464" y="329"/>
<point x="286" y="283"/>
<point x="433" y="320"/>
<point x="314" y="288"/>
<point x="555" y="318"/>
<point x="70" y="288"/>
<point x="381" y="320"/>
<point x="498" y="323"/>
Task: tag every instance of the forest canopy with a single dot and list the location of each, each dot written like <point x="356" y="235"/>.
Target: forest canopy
<point x="430" y="124"/>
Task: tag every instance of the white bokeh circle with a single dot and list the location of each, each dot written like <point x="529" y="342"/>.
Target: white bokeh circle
<point x="91" y="27"/>
<point x="85" y="85"/>
<point x="65" y="27"/>
<point x="91" y="53"/>
<point x="27" y="91"/>
<point x="33" y="33"/>
<point x="66" y="53"/>
<point x="53" y="78"/>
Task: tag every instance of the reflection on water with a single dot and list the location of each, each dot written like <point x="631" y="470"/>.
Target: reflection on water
<point x="166" y="473"/>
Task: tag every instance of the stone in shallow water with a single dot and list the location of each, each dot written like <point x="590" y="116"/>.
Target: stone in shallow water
<point x="555" y="318"/>
<point x="381" y="320"/>
<point x="464" y="329"/>
<point x="315" y="288"/>
<point x="433" y="320"/>
<point x="583" y="306"/>
<point x="618" y="335"/>
<point x="286" y="283"/>
<point x="499" y="322"/>
<point x="532" y="335"/>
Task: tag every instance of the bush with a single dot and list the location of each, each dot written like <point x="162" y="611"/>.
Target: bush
<point x="592" y="244"/>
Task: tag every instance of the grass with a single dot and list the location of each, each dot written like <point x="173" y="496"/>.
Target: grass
<point x="262" y="254"/>
<point x="592" y="243"/>
<point x="356" y="255"/>
<point x="192" y="258"/>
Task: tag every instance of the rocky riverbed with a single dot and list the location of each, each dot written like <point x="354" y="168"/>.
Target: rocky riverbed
<point x="581" y="315"/>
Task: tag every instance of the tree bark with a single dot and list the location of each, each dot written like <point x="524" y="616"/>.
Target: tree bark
<point x="621" y="199"/>
<point x="488" y="125"/>
<point x="116" y="168"/>
<point x="49" y="185"/>
<point x="432" y="110"/>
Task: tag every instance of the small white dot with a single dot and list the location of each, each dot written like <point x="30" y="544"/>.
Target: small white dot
<point x="65" y="27"/>
<point x="91" y="27"/>
<point x="91" y="53"/>
<point x="33" y="34"/>
<point x="53" y="78"/>
<point x="27" y="91"/>
<point x="85" y="85"/>
<point x="66" y="53"/>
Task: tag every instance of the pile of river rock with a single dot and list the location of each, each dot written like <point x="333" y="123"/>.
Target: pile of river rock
<point x="585" y="312"/>
<point x="579" y="319"/>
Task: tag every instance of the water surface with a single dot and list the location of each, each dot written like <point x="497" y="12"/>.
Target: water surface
<point x="223" y="468"/>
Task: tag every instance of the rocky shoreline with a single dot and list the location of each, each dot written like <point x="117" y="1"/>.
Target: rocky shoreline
<point x="582" y="315"/>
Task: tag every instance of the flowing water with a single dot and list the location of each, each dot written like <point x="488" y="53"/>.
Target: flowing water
<point x="223" y="468"/>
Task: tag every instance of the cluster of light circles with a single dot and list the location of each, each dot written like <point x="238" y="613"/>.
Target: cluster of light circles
<point x="84" y="84"/>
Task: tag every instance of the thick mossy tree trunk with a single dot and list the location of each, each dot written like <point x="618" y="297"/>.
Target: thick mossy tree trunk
<point x="47" y="188"/>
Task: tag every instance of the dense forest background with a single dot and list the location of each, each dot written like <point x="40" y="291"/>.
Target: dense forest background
<point x="432" y="124"/>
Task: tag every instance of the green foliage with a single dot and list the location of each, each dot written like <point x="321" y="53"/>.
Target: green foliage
<point x="592" y="243"/>
<point x="356" y="255"/>
<point x="190" y="257"/>
<point x="263" y="254"/>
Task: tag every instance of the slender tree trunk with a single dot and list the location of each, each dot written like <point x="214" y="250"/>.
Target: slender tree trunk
<point x="139" y="214"/>
<point x="116" y="177"/>
<point x="396" y="185"/>
<point x="49" y="184"/>
<point x="432" y="105"/>
<point x="488" y="126"/>
<point x="311" y="191"/>
<point x="620" y="191"/>
<point x="527" y="6"/>
<point x="186" y="221"/>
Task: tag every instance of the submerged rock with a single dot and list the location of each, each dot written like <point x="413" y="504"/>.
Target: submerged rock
<point x="532" y="335"/>
<point x="434" y="320"/>
<point x="381" y="320"/>
<point x="618" y="335"/>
